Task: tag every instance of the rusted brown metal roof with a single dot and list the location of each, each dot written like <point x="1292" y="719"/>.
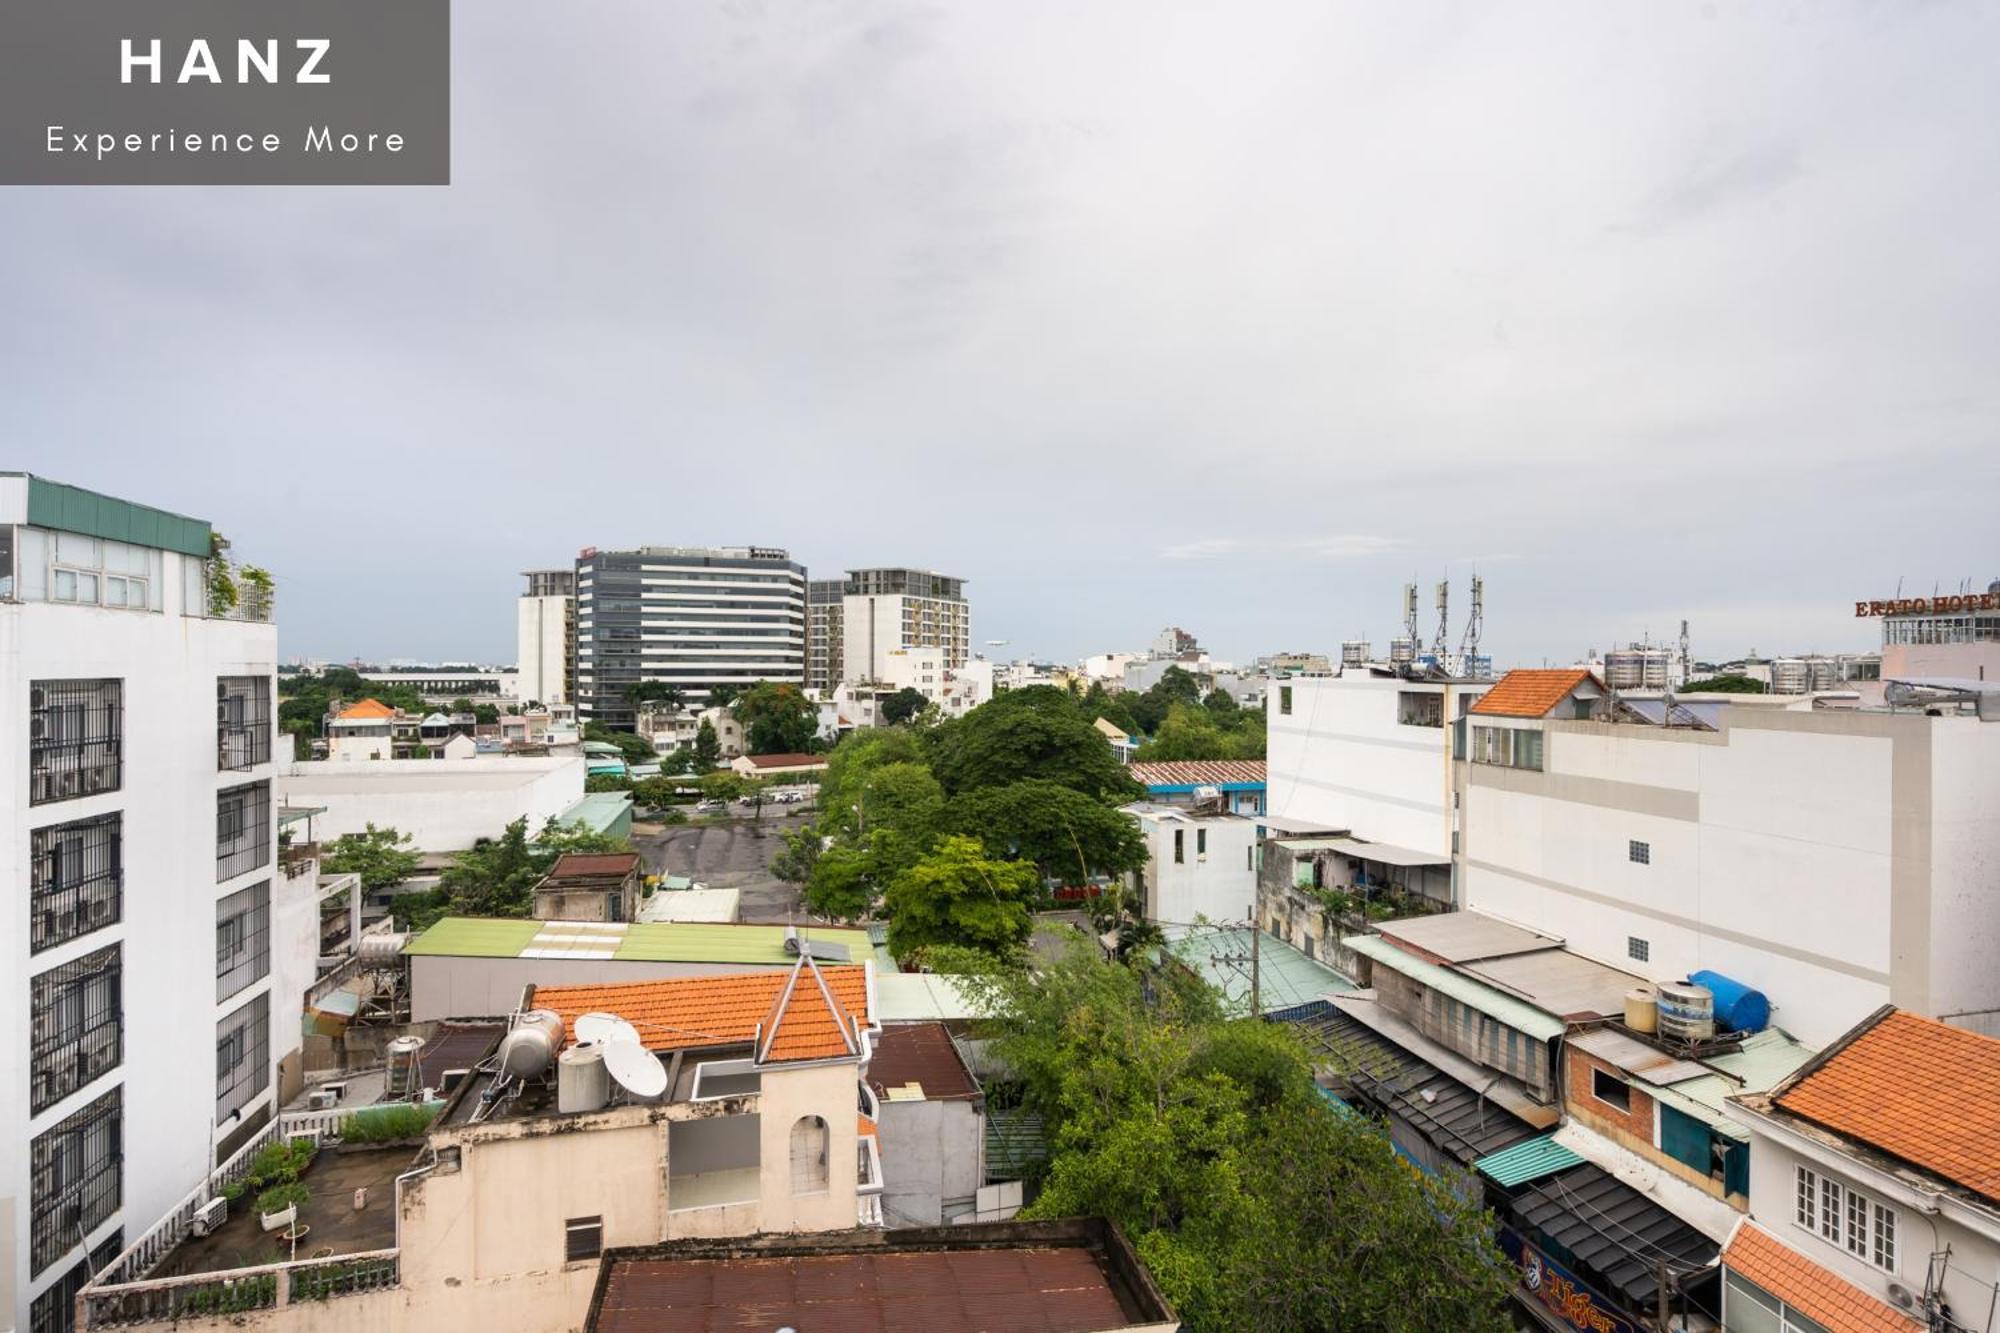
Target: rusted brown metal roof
<point x="593" y="865"/>
<point x="976" y="1291"/>
<point x="920" y="1053"/>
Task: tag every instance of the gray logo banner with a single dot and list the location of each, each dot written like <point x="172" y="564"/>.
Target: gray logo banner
<point x="225" y="92"/>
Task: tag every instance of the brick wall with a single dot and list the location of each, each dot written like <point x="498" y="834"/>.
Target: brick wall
<point x="1633" y="1127"/>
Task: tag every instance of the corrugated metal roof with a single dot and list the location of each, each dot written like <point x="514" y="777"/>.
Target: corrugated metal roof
<point x="1286" y="977"/>
<point x="1459" y="937"/>
<point x="923" y="1054"/>
<point x="1015" y="1143"/>
<point x="1528" y="1161"/>
<point x="1612" y="1230"/>
<point x="1494" y="1004"/>
<point x="1631" y="1056"/>
<point x="1560" y="982"/>
<point x="902" y="997"/>
<point x="655" y="942"/>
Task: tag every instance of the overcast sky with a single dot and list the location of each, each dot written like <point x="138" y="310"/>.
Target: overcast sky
<point x="1231" y="316"/>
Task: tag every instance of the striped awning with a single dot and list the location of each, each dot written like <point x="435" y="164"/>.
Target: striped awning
<point x="1529" y="1160"/>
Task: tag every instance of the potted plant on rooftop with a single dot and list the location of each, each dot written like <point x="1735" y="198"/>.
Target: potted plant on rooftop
<point x="278" y="1207"/>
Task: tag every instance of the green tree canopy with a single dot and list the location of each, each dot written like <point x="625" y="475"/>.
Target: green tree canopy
<point x="1067" y="835"/>
<point x="486" y="715"/>
<point x="1193" y="732"/>
<point x="777" y="719"/>
<point x="1111" y="705"/>
<point x="957" y="896"/>
<point x="902" y="706"/>
<point x="855" y="760"/>
<point x="1724" y="685"/>
<point x="655" y="691"/>
<point x="382" y="857"/>
<point x="1037" y="732"/>
<point x="1176" y="685"/>
<point x="841" y="884"/>
<point x="635" y="749"/>
<point x="707" y="747"/>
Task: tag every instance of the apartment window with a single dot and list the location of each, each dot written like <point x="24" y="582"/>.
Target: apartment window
<point x="76" y="1025"/>
<point x="242" y="939"/>
<point x="1507" y="747"/>
<point x="1180" y="846"/>
<point x="242" y="1058"/>
<point x="242" y="721"/>
<point x="54" y="1311"/>
<point x="1844" y="1216"/>
<point x="1284" y="699"/>
<point x="1419" y="708"/>
<point x="74" y="1170"/>
<point x="242" y="829"/>
<point x="75" y="743"/>
<point x="809" y="1154"/>
<point x="1638" y="950"/>
<point x="1610" y="1089"/>
<point x="583" y="1238"/>
<point x="1641" y="853"/>
<point x="1201" y="842"/>
<point x="75" y="879"/>
<point x="91" y="571"/>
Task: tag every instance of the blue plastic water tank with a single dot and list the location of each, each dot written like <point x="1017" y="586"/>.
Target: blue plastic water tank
<point x="1738" y="1007"/>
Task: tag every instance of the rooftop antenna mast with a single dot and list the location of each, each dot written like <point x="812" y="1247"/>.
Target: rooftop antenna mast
<point x="1468" y="646"/>
<point x="1687" y="658"/>
<point x="1442" y="643"/>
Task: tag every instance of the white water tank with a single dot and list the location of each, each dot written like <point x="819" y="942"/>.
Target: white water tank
<point x="402" y="1059"/>
<point x="1354" y="652"/>
<point x="582" y="1084"/>
<point x="1402" y="651"/>
<point x="1687" y="1011"/>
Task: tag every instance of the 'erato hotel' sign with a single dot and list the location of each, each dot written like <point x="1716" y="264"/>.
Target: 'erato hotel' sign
<point x="1930" y="606"/>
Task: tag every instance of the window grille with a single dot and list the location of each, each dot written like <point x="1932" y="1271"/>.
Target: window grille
<point x="242" y="722"/>
<point x="75" y="1179"/>
<point x="242" y="939"/>
<point x="242" y="1057"/>
<point x="76" y="1027"/>
<point x="54" y="1311"/>
<point x="75" y="738"/>
<point x="75" y="879"/>
<point x="242" y="829"/>
<point x="583" y="1238"/>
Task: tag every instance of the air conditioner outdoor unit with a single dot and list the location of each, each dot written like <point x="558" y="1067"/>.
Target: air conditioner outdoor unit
<point x="209" y="1216"/>
<point x="321" y="1100"/>
<point x="100" y="909"/>
<point x="97" y="779"/>
<point x="1902" y="1297"/>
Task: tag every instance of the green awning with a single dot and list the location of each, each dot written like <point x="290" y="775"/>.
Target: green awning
<point x="1529" y="1160"/>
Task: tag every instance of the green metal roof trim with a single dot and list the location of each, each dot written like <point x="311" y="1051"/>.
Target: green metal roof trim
<point x="641" y="942"/>
<point x="1516" y="1014"/>
<point x="1526" y="1161"/>
<point x="73" y="509"/>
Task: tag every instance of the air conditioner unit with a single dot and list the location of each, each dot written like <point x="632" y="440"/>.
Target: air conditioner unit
<point x="1902" y="1297"/>
<point x="209" y="1216"/>
<point x="99" y="779"/>
<point x="99" y="910"/>
<point x="321" y="1100"/>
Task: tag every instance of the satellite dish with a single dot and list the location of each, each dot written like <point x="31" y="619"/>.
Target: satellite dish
<point x="604" y="1029"/>
<point x="635" y="1069"/>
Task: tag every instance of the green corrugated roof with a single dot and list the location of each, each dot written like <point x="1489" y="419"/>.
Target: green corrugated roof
<point x="597" y="810"/>
<point x="1530" y="1160"/>
<point x="1285" y="976"/>
<point x="73" y="509"/>
<point x="640" y="942"/>
<point x="1015" y="1143"/>
<point x="1516" y="1014"/>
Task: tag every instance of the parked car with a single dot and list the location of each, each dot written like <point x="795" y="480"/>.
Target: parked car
<point x="711" y="808"/>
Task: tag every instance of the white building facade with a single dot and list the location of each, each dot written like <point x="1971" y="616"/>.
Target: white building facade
<point x="141" y="833"/>
<point x="694" y="617"/>
<point x="885" y="611"/>
<point x="1198" y="866"/>
<point x="545" y="636"/>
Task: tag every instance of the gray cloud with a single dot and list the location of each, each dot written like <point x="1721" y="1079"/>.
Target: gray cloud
<point x="1235" y="319"/>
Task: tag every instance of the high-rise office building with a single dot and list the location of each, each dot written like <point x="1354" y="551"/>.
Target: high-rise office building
<point x="546" y="636"/>
<point x="824" y="646"/>
<point x="150" y="931"/>
<point x="890" y="610"/>
<point x="693" y="617"/>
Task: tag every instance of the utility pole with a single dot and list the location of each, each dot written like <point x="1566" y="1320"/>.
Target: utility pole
<point x="1256" y="977"/>
<point x="1666" y="1314"/>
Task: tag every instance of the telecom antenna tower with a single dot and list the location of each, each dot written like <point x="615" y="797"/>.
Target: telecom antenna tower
<point x="1468" y="646"/>
<point x="1442" y="644"/>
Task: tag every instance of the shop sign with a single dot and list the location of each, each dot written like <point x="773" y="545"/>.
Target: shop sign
<point x="1561" y="1292"/>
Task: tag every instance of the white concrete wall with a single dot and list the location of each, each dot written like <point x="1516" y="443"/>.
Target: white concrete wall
<point x="1965" y="875"/>
<point x="1220" y="885"/>
<point x="445" y="804"/>
<point x="169" y="665"/>
<point x="933" y="1154"/>
<point x="542" y="649"/>
<point x="1341" y="760"/>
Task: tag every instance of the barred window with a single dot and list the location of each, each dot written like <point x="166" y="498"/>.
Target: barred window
<point x="242" y="721"/>
<point x="583" y="1238"/>
<point x="77" y="1026"/>
<point x="242" y="829"/>
<point x="242" y="1057"/>
<point x="242" y="939"/>
<point x="75" y="879"/>
<point x="75" y="1179"/>
<point x="54" y="1311"/>
<point x="75" y="745"/>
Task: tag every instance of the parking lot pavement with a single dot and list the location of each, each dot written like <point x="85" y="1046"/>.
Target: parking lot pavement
<point x="732" y="853"/>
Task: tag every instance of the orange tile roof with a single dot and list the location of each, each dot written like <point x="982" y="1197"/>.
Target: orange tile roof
<point x="1530" y="693"/>
<point x="1813" y="1291"/>
<point x="1198" y="772"/>
<point x="688" y="1013"/>
<point x="1917" y="1089"/>
<point x="807" y="1021"/>
<point x="367" y="708"/>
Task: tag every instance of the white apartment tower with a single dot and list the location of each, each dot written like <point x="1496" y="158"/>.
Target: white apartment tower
<point x="694" y="617"/>
<point x="546" y="636"/>
<point x="140" y="830"/>
<point x="887" y="611"/>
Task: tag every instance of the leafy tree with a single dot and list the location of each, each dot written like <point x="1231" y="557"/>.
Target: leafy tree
<point x="607" y="782"/>
<point x="796" y="863"/>
<point x="1222" y="706"/>
<point x="677" y="762"/>
<point x="655" y="793"/>
<point x="382" y="857"/>
<point x="1254" y="1205"/>
<point x="1175" y="686"/>
<point x="306" y="697"/>
<point x="1036" y="732"/>
<point x="722" y="786"/>
<point x="1191" y="732"/>
<point x="671" y="697"/>
<point x="1724" y="685"/>
<point x="902" y="706"/>
<point x="635" y="749"/>
<point x="900" y="798"/>
<point x="777" y="719"/>
<point x="497" y="878"/>
<point x="558" y="839"/>
<point x="1066" y="834"/>
<point x="956" y="896"/>
<point x="721" y="696"/>
<point x="707" y="747"/>
<point x="460" y="705"/>
<point x="486" y="715"/>
<point x="841" y="886"/>
<point x="1109" y="704"/>
<point x="853" y="763"/>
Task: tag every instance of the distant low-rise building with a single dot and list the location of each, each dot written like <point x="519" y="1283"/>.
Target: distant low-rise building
<point x="1201" y="865"/>
<point x="1239" y="784"/>
<point x="445" y="805"/>
<point x="784" y="767"/>
<point x="590" y="887"/>
<point x="932" y="1113"/>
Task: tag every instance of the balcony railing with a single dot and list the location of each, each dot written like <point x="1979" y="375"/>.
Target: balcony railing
<point x="239" y="1291"/>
